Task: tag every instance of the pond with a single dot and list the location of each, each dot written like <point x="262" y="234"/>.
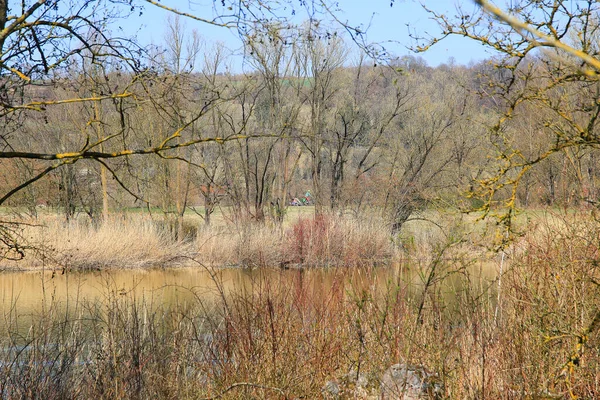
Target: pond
<point x="200" y="331"/>
<point x="25" y="296"/>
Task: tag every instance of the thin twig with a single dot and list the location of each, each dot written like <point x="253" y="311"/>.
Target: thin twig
<point x="547" y="41"/>
<point x="246" y="384"/>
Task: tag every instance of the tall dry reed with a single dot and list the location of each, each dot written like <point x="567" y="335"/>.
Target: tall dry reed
<point x="284" y="335"/>
<point x="119" y="242"/>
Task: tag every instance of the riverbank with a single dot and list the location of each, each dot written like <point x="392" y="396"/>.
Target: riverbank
<point x="276" y="333"/>
<point x="530" y="329"/>
<point x="136" y="241"/>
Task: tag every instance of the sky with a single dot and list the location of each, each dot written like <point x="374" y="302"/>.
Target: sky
<point x="388" y="25"/>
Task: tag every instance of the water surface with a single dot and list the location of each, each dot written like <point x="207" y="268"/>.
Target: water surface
<point x="25" y="296"/>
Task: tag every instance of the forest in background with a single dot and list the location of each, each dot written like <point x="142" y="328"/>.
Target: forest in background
<point x="175" y="132"/>
<point x="95" y="127"/>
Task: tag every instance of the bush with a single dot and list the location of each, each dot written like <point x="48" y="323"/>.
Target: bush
<point x="324" y="241"/>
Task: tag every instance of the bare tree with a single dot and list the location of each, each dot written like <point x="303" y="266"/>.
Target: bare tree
<point x="420" y="154"/>
<point x="547" y="61"/>
<point x="320" y="56"/>
<point x="366" y="109"/>
<point x="266" y="162"/>
<point x="40" y="46"/>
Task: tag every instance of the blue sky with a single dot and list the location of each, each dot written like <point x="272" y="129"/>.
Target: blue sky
<point x="393" y="24"/>
<point x="386" y="24"/>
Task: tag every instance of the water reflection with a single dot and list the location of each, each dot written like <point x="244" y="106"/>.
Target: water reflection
<point x="27" y="295"/>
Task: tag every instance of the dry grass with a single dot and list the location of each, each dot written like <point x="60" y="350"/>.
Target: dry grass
<point x="322" y="241"/>
<point x="329" y="241"/>
<point x="551" y="302"/>
<point x="284" y="335"/>
<point x="250" y="245"/>
<point x="136" y="241"/>
<point x="118" y="243"/>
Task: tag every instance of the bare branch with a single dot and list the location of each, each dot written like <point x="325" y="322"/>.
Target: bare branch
<point x="546" y="40"/>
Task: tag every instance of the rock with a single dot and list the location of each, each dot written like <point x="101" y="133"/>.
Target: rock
<point x="331" y="390"/>
<point x="356" y="379"/>
<point x="352" y="385"/>
<point x="399" y="382"/>
<point x="408" y="382"/>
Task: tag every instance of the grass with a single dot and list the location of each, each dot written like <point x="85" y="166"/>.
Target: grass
<point x="532" y="332"/>
<point x="119" y="242"/>
<point x="220" y="217"/>
<point x="283" y="335"/>
<point x="274" y="337"/>
<point x="138" y="241"/>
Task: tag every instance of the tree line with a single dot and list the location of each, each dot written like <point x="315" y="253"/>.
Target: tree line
<point x="93" y="122"/>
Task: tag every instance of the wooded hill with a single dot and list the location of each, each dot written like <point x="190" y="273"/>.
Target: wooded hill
<point x="395" y="137"/>
<point x="105" y="124"/>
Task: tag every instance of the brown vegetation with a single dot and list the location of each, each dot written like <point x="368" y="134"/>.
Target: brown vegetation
<point x="374" y="149"/>
<point x="284" y="335"/>
<point x="138" y="241"/>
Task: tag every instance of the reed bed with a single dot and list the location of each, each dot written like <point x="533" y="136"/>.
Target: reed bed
<point x="531" y="333"/>
<point x="134" y="241"/>
<point x="120" y="242"/>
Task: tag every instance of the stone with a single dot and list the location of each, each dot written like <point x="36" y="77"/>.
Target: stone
<point x="331" y="390"/>
<point x="408" y="382"/>
<point x="352" y="385"/>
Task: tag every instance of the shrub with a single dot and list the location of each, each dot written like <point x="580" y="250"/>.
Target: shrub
<point x="327" y="241"/>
